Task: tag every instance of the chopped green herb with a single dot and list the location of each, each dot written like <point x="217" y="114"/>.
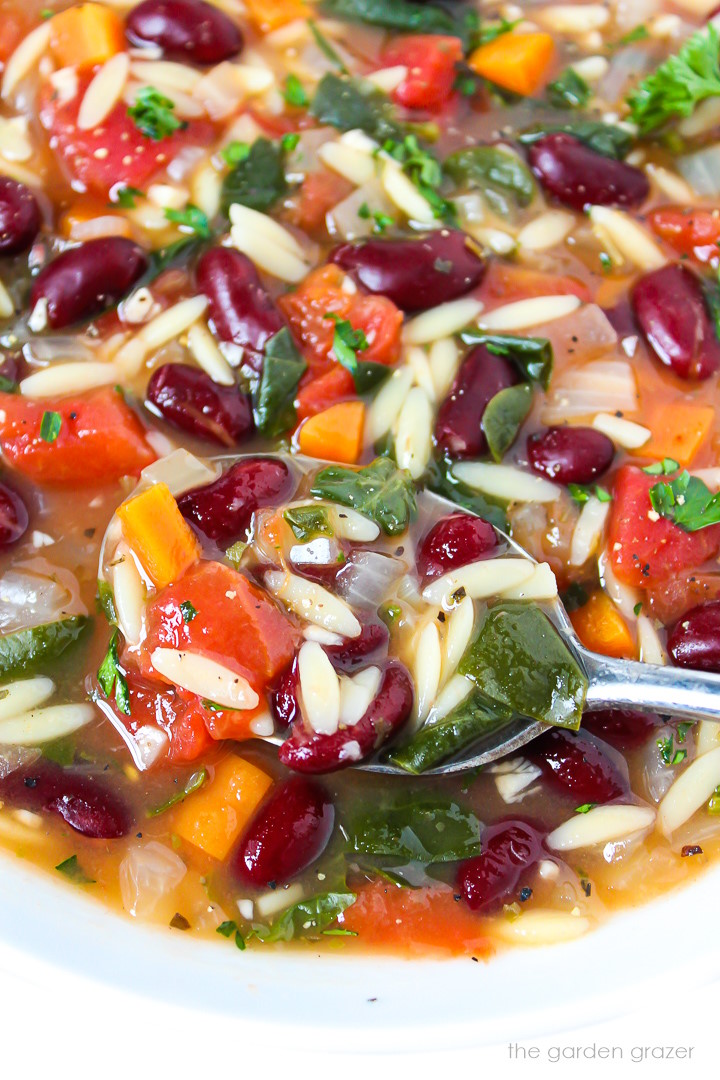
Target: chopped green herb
<point x="188" y="611"/>
<point x="50" y="426"/>
<point x="191" y="218"/>
<point x="687" y="501"/>
<point x="192" y="784"/>
<point x="289" y="141"/>
<point x="638" y="33"/>
<point x="665" y="467"/>
<point x="339" y="932"/>
<point x="74" y="872"/>
<point x="379" y="490"/>
<point x="112" y="676"/>
<point x="638" y="608"/>
<point x="668" y="754"/>
<point x="606" y="262"/>
<point x="46" y="13"/>
<point x="713" y="805"/>
<point x="390" y="614"/>
<point x="229" y="929"/>
<point x="679" y="84"/>
<point x="682" y="730"/>
<point x="347" y="342"/>
<point x="125" y="197"/>
<point x="307" y="522"/>
<point x="235" y="552"/>
<point x="153" y="114"/>
<point x="314" y="915"/>
<point x="106" y="601"/>
<point x="585" y="808"/>
<point x="424" y="170"/>
<point x="581" y="494"/>
<point x="568" y="91"/>
<point x="294" y="92"/>
<point x="235" y="152"/>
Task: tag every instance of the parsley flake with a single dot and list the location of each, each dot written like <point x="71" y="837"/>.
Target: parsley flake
<point x="111" y="676"/>
<point x="153" y="114"/>
<point x="191" y="218"/>
<point x="50" y="426"/>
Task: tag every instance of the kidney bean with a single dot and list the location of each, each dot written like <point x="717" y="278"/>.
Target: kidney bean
<point x="694" y="642"/>
<point x="454" y="541"/>
<point x="622" y="728"/>
<point x="578" y="176"/>
<point x="570" y="455"/>
<point x="672" y="314"/>
<point x="415" y="274"/>
<point x="186" y="30"/>
<point x="508" y="849"/>
<point x="223" y="509"/>
<point x="288" y="834"/>
<point x="19" y="217"/>
<point x="85" y="279"/>
<point x="284" y="699"/>
<point x="241" y="311"/>
<point x="307" y="752"/>
<point x="575" y="766"/>
<point x="349" y="653"/>
<point x="189" y="399"/>
<point x="458" y="428"/>
<point x="13" y="516"/>
<point x="84" y="801"/>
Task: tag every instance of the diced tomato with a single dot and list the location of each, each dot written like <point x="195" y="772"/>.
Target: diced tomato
<point x="509" y="283"/>
<point x="320" y="293"/>
<point x="100" y="439"/>
<point x="430" y="60"/>
<point x="691" y="232"/>
<point x="116" y="153"/>
<point x="320" y="393"/>
<point x="237" y="624"/>
<point x="644" y="551"/>
<point x="319" y="192"/>
<point x="415" y="921"/>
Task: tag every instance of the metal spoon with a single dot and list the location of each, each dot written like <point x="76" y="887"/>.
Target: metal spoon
<point x="690" y="695"/>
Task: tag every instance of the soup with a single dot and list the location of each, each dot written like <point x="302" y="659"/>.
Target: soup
<point x="307" y="307"/>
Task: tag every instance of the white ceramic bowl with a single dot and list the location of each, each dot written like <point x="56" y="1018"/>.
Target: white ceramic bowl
<point x="635" y="957"/>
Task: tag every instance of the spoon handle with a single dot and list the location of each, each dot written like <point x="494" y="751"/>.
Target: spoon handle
<point x="694" y="695"/>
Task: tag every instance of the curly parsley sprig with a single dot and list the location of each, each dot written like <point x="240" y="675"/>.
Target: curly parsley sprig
<point x="679" y="84"/>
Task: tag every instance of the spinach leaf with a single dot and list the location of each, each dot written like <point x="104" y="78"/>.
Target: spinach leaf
<point x="423" y="831"/>
<point x="111" y="676"/>
<point x="347" y="104"/>
<point x="605" y="139"/>
<point x="520" y="660"/>
<point x="393" y="15"/>
<point x="380" y="491"/>
<point x="533" y="355"/>
<point x="325" y="47"/>
<point x="192" y="784"/>
<point x="439" y="478"/>
<point x="504" y="416"/>
<point x="25" y="648"/>
<point x="503" y="178"/>
<point x="307" y="522"/>
<point x="258" y="181"/>
<point x="687" y="501"/>
<point x="275" y="393"/>
<point x="347" y="343"/>
<point x="105" y="601"/>
<point x="315" y="914"/>
<point x="435" y="743"/>
<point x="568" y="91"/>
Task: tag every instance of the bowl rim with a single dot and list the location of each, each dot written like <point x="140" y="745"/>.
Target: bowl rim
<point x="50" y="929"/>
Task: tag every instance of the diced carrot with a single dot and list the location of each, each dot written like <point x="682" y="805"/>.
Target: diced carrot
<point x="158" y="534"/>
<point x="601" y="627"/>
<point x="319" y="393"/>
<point x="86" y="35"/>
<point x="517" y="62"/>
<point x="335" y="434"/>
<point x="679" y="430"/>
<point x="270" y="14"/>
<point x="214" y="817"/>
<point x="415" y="921"/>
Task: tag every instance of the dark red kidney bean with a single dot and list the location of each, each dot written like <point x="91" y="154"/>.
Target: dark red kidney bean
<point x="223" y="509"/>
<point x="290" y="832"/>
<point x="85" y="802"/>
<point x="622" y="728"/>
<point x="284" y="699"/>
<point x="508" y="849"/>
<point x="458" y="428"/>
<point x="185" y="30"/>
<point x="307" y="752"/>
<point x="415" y="274"/>
<point x="13" y="516"/>
<point x="19" y="217"/>
<point x="241" y="311"/>
<point x="577" y="176"/>
<point x="85" y="279"/>
<point x="570" y="455"/>
<point x="673" y="317"/>
<point x="694" y="642"/>
<point x="454" y="541"/>
<point x="352" y="651"/>
<point x="189" y="399"/>
<point x="575" y="765"/>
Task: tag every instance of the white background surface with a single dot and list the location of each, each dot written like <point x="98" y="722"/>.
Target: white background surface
<point x="88" y="1030"/>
